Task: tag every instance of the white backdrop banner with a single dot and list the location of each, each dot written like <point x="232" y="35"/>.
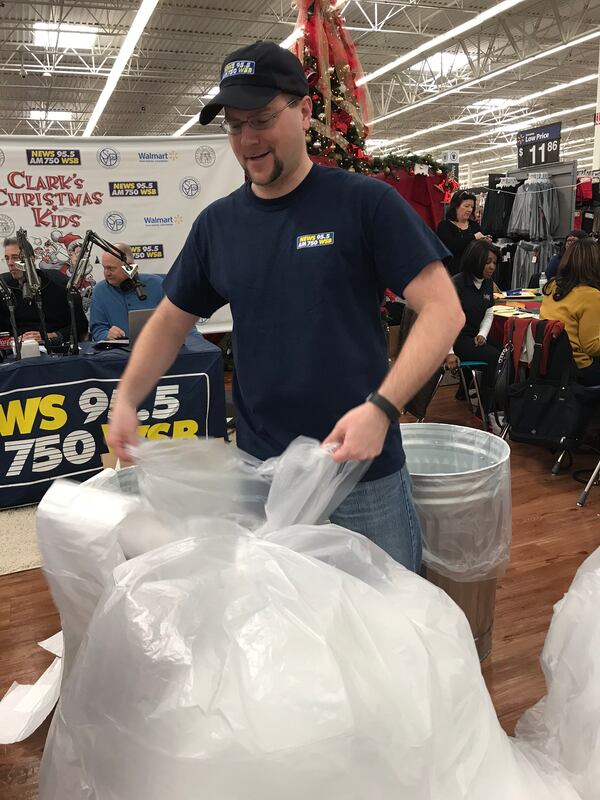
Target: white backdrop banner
<point x="142" y="191"/>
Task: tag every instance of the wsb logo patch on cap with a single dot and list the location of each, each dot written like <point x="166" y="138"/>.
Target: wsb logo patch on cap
<point x="239" y="68"/>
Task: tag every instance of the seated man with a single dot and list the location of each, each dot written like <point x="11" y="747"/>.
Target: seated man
<point x="54" y="301"/>
<point x="114" y="297"/>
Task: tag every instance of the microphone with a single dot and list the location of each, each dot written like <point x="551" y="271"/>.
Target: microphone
<point x="25" y="289"/>
<point x="139" y="289"/>
<point x="132" y="271"/>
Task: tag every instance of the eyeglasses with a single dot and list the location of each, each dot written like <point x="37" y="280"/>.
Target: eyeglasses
<point x="261" y="122"/>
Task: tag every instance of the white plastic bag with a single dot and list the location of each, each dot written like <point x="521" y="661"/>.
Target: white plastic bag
<point x="566" y="723"/>
<point x="287" y="663"/>
<point x="249" y="670"/>
<point x="202" y="477"/>
<point x="77" y="534"/>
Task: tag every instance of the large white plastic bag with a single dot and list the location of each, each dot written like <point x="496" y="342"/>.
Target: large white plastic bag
<point x="566" y="723"/>
<point x="462" y="493"/>
<point x="202" y="477"/>
<point x="307" y="485"/>
<point x="77" y="535"/>
<point x="304" y="662"/>
<point x="249" y="670"/>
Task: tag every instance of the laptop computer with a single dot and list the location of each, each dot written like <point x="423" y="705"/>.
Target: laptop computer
<point x="137" y="320"/>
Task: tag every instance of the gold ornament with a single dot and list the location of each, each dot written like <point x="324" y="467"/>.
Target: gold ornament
<point x="308" y="138"/>
<point x="351" y="169"/>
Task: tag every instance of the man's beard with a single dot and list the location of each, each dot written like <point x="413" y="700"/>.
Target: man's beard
<point x="276" y="173"/>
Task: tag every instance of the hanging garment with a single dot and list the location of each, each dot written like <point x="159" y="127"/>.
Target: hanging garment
<point x="531" y="258"/>
<point x="535" y="212"/>
<point x="497" y="210"/>
<point x="504" y="268"/>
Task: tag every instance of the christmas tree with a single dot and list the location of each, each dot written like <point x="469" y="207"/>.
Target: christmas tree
<point x="341" y="108"/>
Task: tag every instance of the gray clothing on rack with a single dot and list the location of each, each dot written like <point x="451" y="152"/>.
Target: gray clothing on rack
<point x="530" y="258"/>
<point x="535" y="212"/>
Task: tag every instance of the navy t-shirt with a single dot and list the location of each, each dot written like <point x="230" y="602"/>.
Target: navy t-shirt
<point x="305" y="275"/>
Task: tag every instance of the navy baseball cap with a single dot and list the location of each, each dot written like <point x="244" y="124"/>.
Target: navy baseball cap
<point x="252" y="76"/>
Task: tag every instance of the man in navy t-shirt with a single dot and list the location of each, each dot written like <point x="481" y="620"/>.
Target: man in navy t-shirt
<point x="303" y="254"/>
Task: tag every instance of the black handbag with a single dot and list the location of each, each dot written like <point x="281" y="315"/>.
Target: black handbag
<point x="543" y="411"/>
<point x="504" y="375"/>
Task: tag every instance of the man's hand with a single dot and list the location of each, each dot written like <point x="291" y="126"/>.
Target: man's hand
<point x="122" y="429"/>
<point x="360" y="433"/>
<point x="114" y="332"/>
<point x="479" y="341"/>
<point x="35" y="335"/>
<point x="452" y="361"/>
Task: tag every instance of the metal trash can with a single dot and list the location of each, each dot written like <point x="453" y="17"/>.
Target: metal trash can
<point x="462" y="491"/>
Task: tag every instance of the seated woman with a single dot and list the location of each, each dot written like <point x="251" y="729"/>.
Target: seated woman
<point x="475" y="290"/>
<point x="573" y="298"/>
<point x="553" y="264"/>
<point x="459" y="228"/>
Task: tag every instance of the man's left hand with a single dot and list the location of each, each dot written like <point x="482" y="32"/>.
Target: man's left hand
<point x="360" y="433"/>
<point x="479" y="341"/>
<point x="35" y="335"/>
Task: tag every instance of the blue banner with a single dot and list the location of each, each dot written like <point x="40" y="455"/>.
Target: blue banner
<point x="54" y="413"/>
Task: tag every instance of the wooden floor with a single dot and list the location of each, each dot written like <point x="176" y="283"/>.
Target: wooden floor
<point x="551" y="538"/>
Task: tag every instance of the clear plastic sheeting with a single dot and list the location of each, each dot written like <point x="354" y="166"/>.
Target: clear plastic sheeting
<point x="566" y="723"/>
<point x="77" y="535"/>
<point x="462" y="491"/>
<point x="202" y="477"/>
<point x="307" y="485"/>
<point x="300" y="662"/>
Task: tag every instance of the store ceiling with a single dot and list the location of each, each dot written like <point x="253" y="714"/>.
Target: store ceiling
<point x="177" y="60"/>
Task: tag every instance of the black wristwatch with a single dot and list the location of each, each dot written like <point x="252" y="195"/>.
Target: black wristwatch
<point x="389" y="409"/>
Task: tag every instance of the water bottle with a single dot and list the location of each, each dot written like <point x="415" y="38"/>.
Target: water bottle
<point x="543" y="281"/>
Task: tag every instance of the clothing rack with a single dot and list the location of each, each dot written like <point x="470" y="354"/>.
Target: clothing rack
<point x="564" y="177"/>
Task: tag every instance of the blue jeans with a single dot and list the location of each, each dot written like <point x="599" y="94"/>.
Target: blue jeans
<point x="383" y="510"/>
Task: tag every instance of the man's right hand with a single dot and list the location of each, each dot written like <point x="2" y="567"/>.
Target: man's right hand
<point x="114" y="332"/>
<point x="122" y="429"/>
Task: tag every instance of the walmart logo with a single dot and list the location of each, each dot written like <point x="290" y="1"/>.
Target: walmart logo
<point x="146" y="155"/>
<point x="156" y="222"/>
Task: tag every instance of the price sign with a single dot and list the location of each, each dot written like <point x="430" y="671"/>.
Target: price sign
<point x="539" y="146"/>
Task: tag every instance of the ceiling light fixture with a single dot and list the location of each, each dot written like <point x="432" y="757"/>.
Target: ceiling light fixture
<point x="560" y="87"/>
<point x="54" y="116"/>
<point x="62" y="36"/>
<point x="293" y="37"/>
<point x="135" y="31"/>
<point x="488" y="76"/>
<point x="433" y="44"/>
<point x="504" y="129"/>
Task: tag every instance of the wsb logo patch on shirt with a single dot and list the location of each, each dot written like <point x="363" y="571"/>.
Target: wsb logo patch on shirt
<point x="239" y="68"/>
<point x="314" y="240"/>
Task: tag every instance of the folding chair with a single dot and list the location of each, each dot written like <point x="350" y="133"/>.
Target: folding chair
<point x="593" y="481"/>
<point x="472" y="368"/>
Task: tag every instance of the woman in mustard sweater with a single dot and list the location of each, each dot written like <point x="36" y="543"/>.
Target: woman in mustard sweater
<point x="573" y="298"/>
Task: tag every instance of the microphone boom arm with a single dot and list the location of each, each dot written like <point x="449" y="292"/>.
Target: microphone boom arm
<point x="79" y="273"/>
<point x="33" y="281"/>
<point x="8" y="298"/>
